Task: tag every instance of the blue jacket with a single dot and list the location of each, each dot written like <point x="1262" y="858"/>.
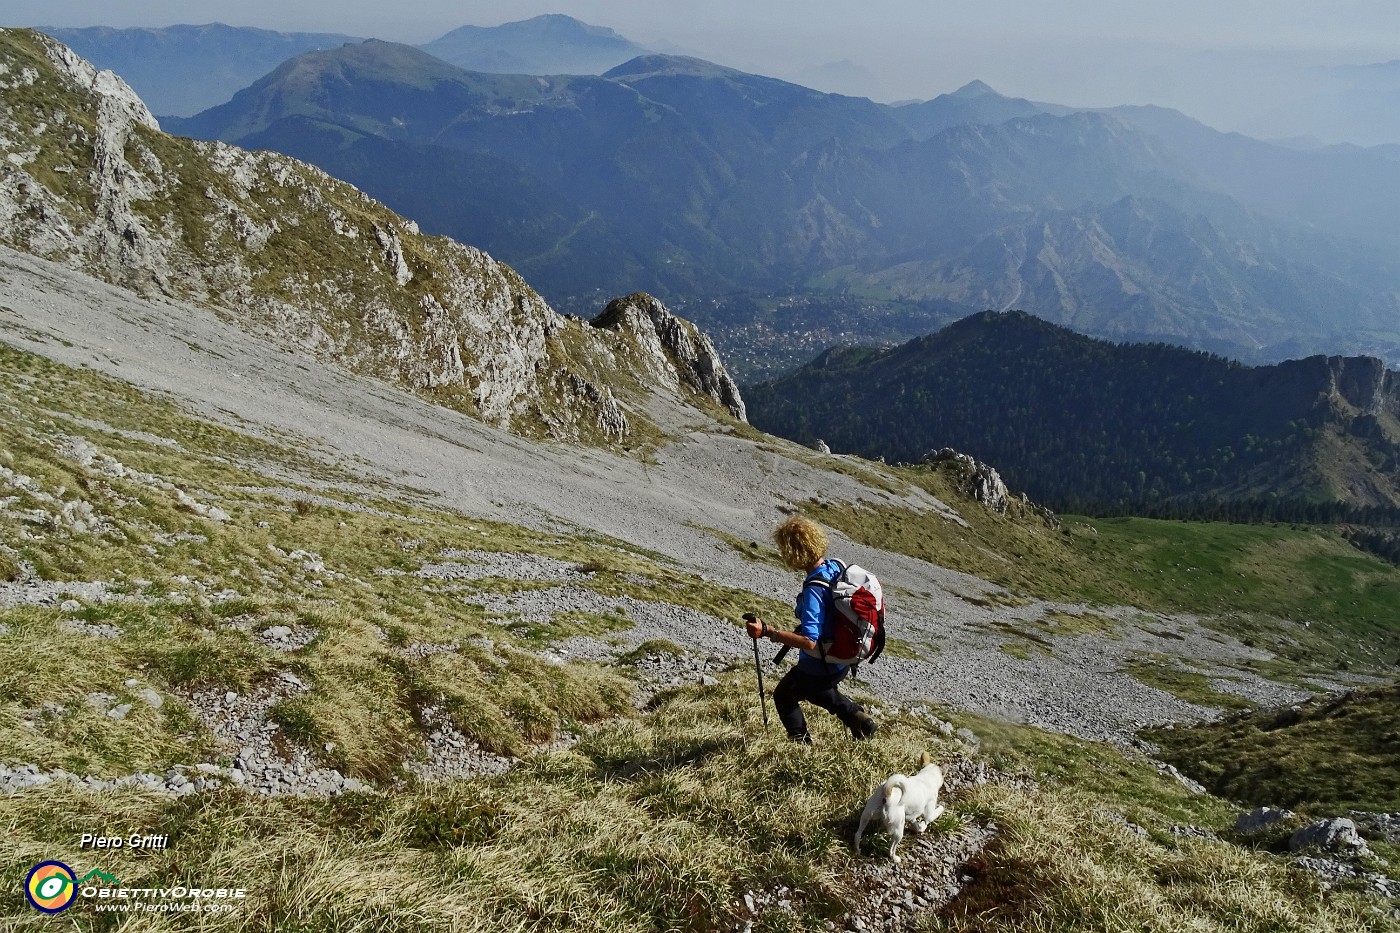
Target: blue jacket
<point x="811" y="610"/>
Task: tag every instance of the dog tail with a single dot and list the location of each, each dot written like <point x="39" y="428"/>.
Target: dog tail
<point x="925" y="760"/>
<point x="894" y="795"/>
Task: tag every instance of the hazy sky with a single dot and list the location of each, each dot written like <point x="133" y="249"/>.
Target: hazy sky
<point x="1078" y="52"/>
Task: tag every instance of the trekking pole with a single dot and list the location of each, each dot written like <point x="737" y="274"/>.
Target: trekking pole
<point x="758" y="667"/>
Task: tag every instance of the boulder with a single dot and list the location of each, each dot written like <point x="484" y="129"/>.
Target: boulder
<point x="1334" y="835"/>
<point x="1260" y="819"/>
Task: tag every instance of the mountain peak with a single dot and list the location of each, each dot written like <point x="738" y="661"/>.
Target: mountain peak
<point x="973" y="89"/>
<point x="554" y="25"/>
<point x="391" y="61"/>
<point x="672" y="351"/>
<point x="1005" y="324"/>
<point x="549" y="44"/>
<point x="657" y="63"/>
<point x="563" y="24"/>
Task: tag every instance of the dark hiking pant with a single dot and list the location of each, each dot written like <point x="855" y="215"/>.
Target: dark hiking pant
<point x="817" y="689"/>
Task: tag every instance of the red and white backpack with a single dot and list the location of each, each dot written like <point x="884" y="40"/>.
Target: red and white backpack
<point x="854" y="629"/>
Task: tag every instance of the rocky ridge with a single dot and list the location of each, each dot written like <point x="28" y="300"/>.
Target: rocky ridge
<point x="88" y="179"/>
<point x="984" y="484"/>
<point x="673" y="352"/>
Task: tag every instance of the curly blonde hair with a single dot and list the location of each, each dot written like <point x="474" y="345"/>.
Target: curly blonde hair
<point x="801" y="543"/>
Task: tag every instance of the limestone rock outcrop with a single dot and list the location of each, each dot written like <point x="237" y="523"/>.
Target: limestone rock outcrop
<point x="985" y="484"/>
<point x="670" y="350"/>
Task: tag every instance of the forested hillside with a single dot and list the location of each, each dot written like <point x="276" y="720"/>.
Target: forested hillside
<point x="1087" y="424"/>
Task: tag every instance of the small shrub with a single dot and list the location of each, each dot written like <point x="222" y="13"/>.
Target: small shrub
<point x="454" y="822"/>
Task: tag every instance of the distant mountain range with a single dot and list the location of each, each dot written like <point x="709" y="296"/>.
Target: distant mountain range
<point x="696" y="181"/>
<point x="182" y="70"/>
<point x="1082" y="423"/>
<point x="1356" y="103"/>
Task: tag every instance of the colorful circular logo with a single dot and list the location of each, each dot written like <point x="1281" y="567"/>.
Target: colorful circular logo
<point x="50" y="887"/>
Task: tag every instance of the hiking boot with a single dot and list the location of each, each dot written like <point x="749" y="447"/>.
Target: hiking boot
<point x="862" y="726"/>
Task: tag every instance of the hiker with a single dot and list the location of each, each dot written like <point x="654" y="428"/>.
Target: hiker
<point x="802" y="546"/>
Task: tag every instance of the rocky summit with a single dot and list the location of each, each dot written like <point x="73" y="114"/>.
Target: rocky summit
<point x="670" y="351"/>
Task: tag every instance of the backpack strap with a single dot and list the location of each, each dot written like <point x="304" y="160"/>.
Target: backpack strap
<point x="826" y="584"/>
<point x="826" y="608"/>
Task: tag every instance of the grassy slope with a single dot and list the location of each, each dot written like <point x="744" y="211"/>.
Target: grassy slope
<point x="1338" y="753"/>
<point x="155" y="547"/>
<point x="1066" y="861"/>
<point x="664" y="822"/>
<point x="658" y="820"/>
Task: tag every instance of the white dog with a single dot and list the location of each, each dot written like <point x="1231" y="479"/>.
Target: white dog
<point x="904" y="798"/>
